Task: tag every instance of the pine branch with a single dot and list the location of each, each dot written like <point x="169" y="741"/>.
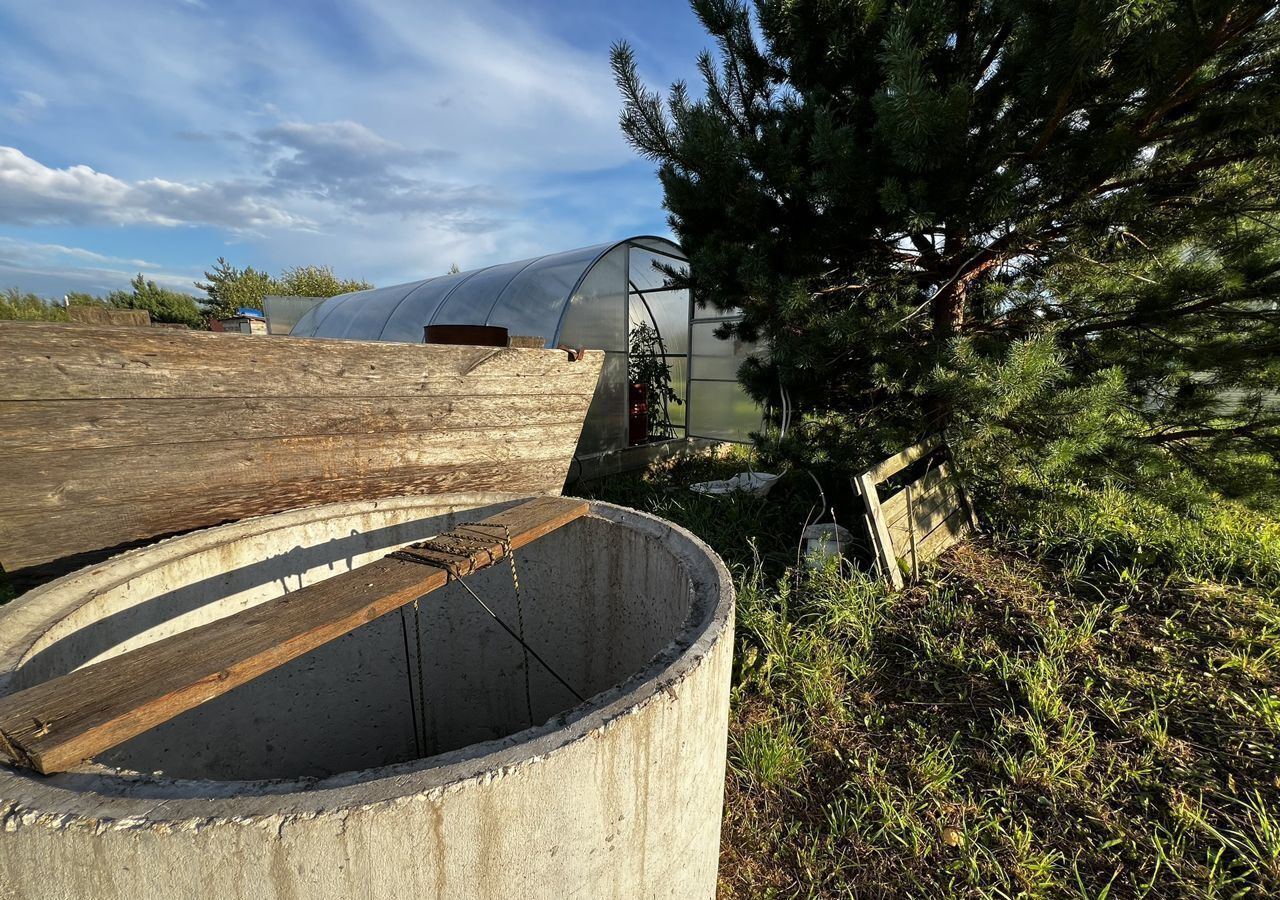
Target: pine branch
<point x="1250" y="429"/>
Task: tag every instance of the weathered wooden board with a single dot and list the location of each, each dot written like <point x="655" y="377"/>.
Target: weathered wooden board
<point x="919" y="522"/>
<point x="878" y="529"/>
<point x="100" y="315"/>
<point x="113" y="436"/>
<point x="65" y="425"/>
<point x="893" y="465"/>
<point x="53" y="726"/>
<point x="944" y="536"/>
<point x="53" y="361"/>
<point x="934" y="497"/>
<point x="895" y="508"/>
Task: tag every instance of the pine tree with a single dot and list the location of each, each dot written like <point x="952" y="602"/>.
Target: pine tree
<point x="932" y="209"/>
<point x="162" y="304"/>
<point x="230" y="288"/>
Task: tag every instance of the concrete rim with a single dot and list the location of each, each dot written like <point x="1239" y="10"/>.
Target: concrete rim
<point x="129" y="800"/>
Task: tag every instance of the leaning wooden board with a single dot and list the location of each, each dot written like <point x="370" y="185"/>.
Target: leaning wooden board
<point x="53" y="726"/>
<point x="919" y="522"/>
<point x="114" y="436"/>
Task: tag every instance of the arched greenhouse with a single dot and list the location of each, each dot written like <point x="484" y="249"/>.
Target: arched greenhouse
<point x="613" y="297"/>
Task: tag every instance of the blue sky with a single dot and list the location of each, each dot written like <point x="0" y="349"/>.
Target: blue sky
<point x="387" y="138"/>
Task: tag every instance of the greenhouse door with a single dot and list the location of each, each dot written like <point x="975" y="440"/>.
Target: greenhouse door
<point x="718" y="408"/>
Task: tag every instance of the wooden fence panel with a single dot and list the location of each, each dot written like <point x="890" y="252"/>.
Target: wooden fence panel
<point x="919" y="522"/>
<point x="931" y="507"/>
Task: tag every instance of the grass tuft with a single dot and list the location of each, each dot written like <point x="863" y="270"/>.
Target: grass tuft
<point x="1086" y="704"/>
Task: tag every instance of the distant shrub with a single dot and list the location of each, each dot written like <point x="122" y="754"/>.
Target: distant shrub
<point x="15" y="305"/>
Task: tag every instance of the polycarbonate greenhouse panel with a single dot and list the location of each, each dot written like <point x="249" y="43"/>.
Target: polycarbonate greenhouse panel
<point x="283" y="313"/>
<point x="596" y="314"/>
<point x="648" y="270"/>
<point x="679" y="366"/>
<point x="361" y="317"/>
<point x="534" y="301"/>
<point x="306" y="326"/>
<point x="722" y="411"/>
<point x="589" y="297"/>
<point x="714" y="358"/>
<point x="605" y="427"/>
<point x="719" y="408"/>
<point x="474" y="295"/>
<point x="407" y="319"/>
<point x="668" y="313"/>
<point x="312" y="325"/>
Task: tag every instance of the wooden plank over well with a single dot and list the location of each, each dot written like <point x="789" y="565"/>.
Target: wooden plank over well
<point x="52" y="727"/>
<point x="113" y="436"/>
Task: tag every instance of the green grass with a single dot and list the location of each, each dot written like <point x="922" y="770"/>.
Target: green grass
<point x="1085" y="705"/>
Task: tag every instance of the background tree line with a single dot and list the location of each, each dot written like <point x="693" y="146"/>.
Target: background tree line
<point x="227" y="289"/>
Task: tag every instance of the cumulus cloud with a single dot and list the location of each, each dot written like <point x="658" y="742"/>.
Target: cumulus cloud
<point x="386" y="137"/>
<point x="19" y="252"/>
<point x="349" y="164"/>
<point x="309" y="173"/>
<point x="32" y="193"/>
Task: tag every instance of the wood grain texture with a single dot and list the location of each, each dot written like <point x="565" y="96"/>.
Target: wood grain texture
<point x="919" y="522"/>
<point x="54" y="726"/>
<point x="947" y="534"/>
<point x="896" y="463"/>
<point x="895" y="507"/>
<point x="111" y="436"/>
<point x="99" y="315"/>
<point x="54" y="361"/>
<point x="885" y="555"/>
<point x="63" y="425"/>
<point x="937" y="520"/>
<point x="935" y="497"/>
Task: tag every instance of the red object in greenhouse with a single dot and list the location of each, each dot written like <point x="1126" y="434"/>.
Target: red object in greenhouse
<point x="638" y="414"/>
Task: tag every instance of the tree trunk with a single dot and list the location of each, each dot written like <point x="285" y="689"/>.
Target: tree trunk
<point x="948" y="315"/>
<point x="948" y="312"/>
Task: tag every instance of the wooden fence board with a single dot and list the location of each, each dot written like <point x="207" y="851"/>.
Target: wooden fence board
<point x="937" y="541"/>
<point x="895" y="507"/>
<point x="55" y="725"/>
<point x="899" y="461"/>
<point x="879" y="530"/>
<point x="931" y="510"/>
<point x="110" y="436"/>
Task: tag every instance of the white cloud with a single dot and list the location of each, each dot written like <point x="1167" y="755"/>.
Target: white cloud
<point x="348" y="164"/>
<point x="32" y="193"/>
<point x="25" y="106"/>
<point x="53" y="269"/>
<point x="388" y="138"/>
<point x="14" y="250"/>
